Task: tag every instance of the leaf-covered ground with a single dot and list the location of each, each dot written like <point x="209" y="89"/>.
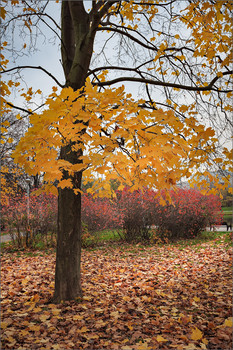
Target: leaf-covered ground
<point x="134" y="298"/>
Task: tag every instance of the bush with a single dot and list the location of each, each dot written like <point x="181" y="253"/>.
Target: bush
<point x="41" y="220"/>
<point x="135" y="209"/>
<point x="99" y="213"/>
<point x="188" y="215"/>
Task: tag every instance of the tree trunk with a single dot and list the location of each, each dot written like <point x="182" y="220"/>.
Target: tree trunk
<point x="67" y="274"/>
<point x="76" y="54"/>
<point x="68" y="253"/>
<point x="78" y="29"/>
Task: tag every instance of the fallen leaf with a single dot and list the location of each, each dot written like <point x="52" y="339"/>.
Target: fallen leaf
<point x="196" y="299"/>
<point x="196" y="334"/>
<point x="83" y="330"/>
<point x="160" y="339"/>
<point x="228" y="322"/>
<point x="4" y="325"/>
<point x="34" y="328"/>
<point x="77" y="317"/>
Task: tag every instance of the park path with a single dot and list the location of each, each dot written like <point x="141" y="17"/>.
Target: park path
<point x="5" y="238"/>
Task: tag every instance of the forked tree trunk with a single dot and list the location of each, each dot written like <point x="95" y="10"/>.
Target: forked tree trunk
<point x="77" y="47"/>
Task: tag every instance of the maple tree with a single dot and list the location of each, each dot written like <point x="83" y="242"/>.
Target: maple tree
<point x="177" y="51"/>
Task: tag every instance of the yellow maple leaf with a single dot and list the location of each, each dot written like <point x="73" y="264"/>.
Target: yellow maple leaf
<point x="160" y="339"/>
<point x="83" y="330"/>
<point x="35" y="298"/>
<point x="4" y="325"/>
<point x="143" y="346"/>
<point x="56" y="346"/>
<point x="24" y="332"/>
<point x="77" y="317"/>
<point x="56" y="312"/>
<point x="228" y="322"/>
<point x="65" y="183"/>
<point x="196" y="334"/>
<point x="25" y="281"/>
<point x="44" y="318"/>
<point x="34" y="328"/>
<point x="196" y="299"/>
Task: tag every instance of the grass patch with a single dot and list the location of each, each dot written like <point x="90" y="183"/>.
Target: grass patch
<point x="95" y="239"/>
<point x="227" y="209"/>
<point x="41" y="243"/>
<point x="109" y="235"/>
<point x="111" y="239"/>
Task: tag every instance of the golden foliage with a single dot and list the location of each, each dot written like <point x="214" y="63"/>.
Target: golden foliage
<point x="118" y="140"/>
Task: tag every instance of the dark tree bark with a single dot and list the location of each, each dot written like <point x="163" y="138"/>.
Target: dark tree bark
<point x="78" y="33"/>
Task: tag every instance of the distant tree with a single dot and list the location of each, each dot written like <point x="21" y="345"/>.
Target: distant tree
<point x="176" y="52"/>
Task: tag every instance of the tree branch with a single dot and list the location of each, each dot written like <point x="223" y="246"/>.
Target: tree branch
<point x="19" y="108"/>
<point x="116" y="30"/>
<point x="150" y="46"/>
<point x="166" y="84"/>
<point x="34" y="67"/>
<point x="25" y="110"/>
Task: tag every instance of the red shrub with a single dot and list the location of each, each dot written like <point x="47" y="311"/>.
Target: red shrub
<point x="188" y="215"/>
<point x="99" y="213"/>
<point x="136" y="210"/>
<point x="42" y="217"/>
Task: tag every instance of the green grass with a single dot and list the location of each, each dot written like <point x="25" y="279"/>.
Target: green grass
<point x="227" y="214"/>
<point x="111" y="238"/>
<point x="110" y="235"/>
<point x="101" y="237"/>
<point x="227" y="217"/>
<point x="205" y="237"/>
<point x="227" y="209"/>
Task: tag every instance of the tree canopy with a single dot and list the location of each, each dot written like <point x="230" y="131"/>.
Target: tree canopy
<point x="177" y="51"/>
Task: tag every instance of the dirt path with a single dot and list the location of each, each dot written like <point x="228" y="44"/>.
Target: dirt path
<point x="6" y="238"/>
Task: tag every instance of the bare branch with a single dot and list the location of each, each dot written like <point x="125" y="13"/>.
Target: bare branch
<point x="34" y="67"/>
<point x="19" y="108"/>
<point x="166" y="84"/>
<point x="116" y="30"/>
